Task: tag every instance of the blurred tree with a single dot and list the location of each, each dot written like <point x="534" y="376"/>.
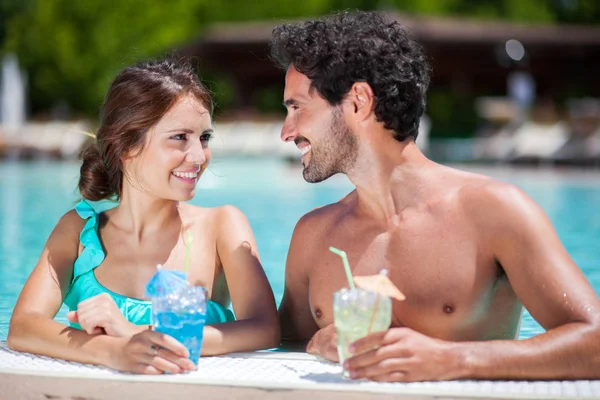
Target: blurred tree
<point x="562" y="11"/>
<point x="8" y="10"/>
<point x="221" y="87"/>
<point x="242" y="10"/>
<point x="453" y="114"/>
<point x="577" y="11"/>
<point x="72" y="49"/>
<point x="268" y="99"/>
<point x="515" y="10"/>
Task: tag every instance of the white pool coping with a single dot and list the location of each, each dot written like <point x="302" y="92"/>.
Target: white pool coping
<point x="254" y="375"/>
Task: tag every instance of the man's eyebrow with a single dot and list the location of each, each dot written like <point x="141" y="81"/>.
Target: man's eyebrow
<point x="290" y="102"/>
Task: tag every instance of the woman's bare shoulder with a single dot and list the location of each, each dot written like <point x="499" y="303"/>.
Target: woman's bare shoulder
<point x="209" y="218"/>
<point x="211" y="213"/>
<point x="69" y="225"/>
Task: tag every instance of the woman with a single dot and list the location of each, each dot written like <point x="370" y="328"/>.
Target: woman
<point x="151" y="148"/>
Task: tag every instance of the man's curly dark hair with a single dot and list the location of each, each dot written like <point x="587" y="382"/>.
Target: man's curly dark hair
<point x="336" y="51"/>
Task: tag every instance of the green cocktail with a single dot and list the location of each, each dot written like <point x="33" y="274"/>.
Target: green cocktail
<point x="357" y="313"/>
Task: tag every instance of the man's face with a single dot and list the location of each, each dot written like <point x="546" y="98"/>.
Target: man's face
<point x="319" y="130"/>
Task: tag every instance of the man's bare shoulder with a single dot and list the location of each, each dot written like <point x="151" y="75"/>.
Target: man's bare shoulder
<point x="311" y="231"/>
<point x="321" y="219"/>
<point x="489" y="201"/>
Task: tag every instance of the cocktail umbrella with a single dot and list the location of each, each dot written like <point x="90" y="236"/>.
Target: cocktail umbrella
<point x="165" y="281"/>
<point x="380" y="284"/>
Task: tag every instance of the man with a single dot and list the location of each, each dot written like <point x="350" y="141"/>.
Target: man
<point x="467" y="251"/>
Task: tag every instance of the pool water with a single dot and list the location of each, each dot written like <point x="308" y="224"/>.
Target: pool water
<point x="273" y="195"/>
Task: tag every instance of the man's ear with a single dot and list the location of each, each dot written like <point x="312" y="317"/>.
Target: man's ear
<point x="362" y="99"/>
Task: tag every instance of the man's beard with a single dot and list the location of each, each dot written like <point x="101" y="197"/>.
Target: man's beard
<point x="334" y="154"/>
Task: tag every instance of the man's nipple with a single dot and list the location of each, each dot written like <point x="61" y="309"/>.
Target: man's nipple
<point x="449" y="308"/>
<point x="318" y="313"/>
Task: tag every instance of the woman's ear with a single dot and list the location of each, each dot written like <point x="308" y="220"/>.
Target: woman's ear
<point x="127" y="157"/>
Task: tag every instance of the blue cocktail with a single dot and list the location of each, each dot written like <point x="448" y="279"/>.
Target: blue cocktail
<point x="182" y="315"/>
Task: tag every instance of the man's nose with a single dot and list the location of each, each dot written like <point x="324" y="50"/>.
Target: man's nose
<point x="288" y="131"/>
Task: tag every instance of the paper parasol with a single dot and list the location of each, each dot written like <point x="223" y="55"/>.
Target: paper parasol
<point x="379" y="284"/>
<point x="165" y="281"/>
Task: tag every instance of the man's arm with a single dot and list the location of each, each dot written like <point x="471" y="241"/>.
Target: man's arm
<point x="297" y="323"/>
<point x="546" y="280"/>
<point x="549" y="285"/>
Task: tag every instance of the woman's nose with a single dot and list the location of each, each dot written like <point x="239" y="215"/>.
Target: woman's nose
<point x="196" y="153"/>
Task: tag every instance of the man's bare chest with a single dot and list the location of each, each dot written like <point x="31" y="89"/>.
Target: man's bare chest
<point x="442" y="272"/>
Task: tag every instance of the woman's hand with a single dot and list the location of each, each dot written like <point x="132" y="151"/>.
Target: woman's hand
<point x="150" y="352"/>
<point x="100" y="314"/>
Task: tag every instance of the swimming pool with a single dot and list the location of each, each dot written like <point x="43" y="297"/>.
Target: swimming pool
<point x="272" y="193"/>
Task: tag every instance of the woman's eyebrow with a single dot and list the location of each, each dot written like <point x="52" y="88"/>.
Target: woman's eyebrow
<point x="184" y="130"/>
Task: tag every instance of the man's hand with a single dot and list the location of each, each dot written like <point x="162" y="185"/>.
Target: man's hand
<point x="324" y="344"/>
<point x="100" y="314"/>
<point x="402" y="355"/>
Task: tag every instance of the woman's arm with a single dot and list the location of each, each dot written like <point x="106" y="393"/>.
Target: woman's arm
<point x="33" y="329"/>
<point x="257" y="325"/>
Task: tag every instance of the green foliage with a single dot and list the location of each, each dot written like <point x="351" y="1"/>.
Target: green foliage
<point x="269" y="99"/>
<point x="221" y="88"/>
<point x="243" y="10"/>
<point x="454" y="116"/>
<point x="9" y="9"/>
<point x="541" y="11"/>
<point x="72" y="49"/>
<point x="577" y="11"/>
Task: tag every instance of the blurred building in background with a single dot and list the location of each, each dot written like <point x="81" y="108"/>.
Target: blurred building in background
<point x="467" y="56"/>
<point x="500" y="91"/>
<point x="529" y="92"/>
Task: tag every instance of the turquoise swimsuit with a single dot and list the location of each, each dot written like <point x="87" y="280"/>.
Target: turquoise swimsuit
<point x="85" y="284"/>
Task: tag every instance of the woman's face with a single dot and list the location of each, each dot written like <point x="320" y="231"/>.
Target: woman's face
<point x="175" y="152"/>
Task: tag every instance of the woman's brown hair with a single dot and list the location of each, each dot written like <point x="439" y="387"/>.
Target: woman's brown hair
<point x="137" y="99"/>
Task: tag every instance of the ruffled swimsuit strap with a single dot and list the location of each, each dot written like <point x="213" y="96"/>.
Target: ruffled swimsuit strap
<point x="136" y="311"/>
<point x="216" y="313"/>
<point x="92" y="254"/>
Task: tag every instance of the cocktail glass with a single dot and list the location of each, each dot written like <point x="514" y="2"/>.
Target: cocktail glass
<point x="357" y="313"/>
<point x="182" y="315"/>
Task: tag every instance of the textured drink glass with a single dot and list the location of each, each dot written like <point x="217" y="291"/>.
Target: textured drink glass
<point x="354" y="312"/>
<point x="182" y="315"/>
